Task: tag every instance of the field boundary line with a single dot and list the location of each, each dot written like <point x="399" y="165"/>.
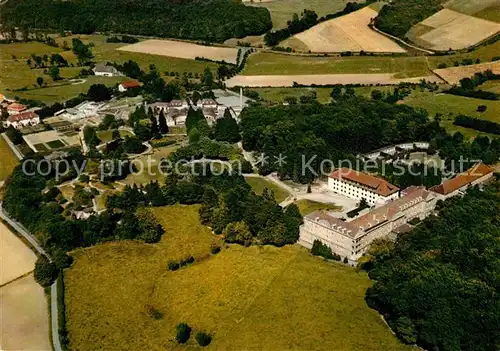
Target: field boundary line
<point x="402" y="41"/>
<point x="16" y="279"/>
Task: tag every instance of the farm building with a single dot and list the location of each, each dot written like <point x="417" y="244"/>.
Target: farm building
<point x="129" y="84"/>
<point x="104" y="70"/>
<point x="22" y="119"/>
<point x="16" y="108"/>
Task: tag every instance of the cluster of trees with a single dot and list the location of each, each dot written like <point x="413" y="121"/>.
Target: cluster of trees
<point x="307" y="19"/>
<point x="37" y="61"/>
<point x="399" y="16"/>
<point x="82" y="51"/>
<point x="468" y="86"/>
<point x="315" y="132"/>
<point x="42" y="214"/>
<point x="481" y="125"/>
<point x="320" y="249"/>
<point x="184" y="333"/>
<point x="122" y="39"/>
<point x="210" y="20"/>
<point x="439" y="285"/>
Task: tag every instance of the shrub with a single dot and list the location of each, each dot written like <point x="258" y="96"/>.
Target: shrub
<point x="154" y="313"/>
<point x="45" y="271"/>
<point x="173" y="266"/>
<point x="183" y="333"/>
<point x="346" y="260"/>
<point x="203" y="339"/>
<point x="320" y="249"/>
<point x="215" y="250"/>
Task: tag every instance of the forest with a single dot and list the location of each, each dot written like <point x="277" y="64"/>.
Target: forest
<point x="207" y="20"/>
<point x="399" y="16"/>
<point x="439" y="285"/>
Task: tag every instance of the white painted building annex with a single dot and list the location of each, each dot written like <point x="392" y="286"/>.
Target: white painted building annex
<point x="357" y="185"/>
<point x="352" y="238"/>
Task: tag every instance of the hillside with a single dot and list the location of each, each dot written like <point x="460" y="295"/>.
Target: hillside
<point x="212" y="20"/>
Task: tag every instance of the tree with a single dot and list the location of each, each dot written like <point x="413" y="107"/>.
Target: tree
<point x="45" y="271"/>
<point x="193" y="117"/>
<point x="183" y="333"/>
<point x="208" y="77"/>
<point x="133" y="145"/>
<point x="482" y="108"/>
<point x="336" y="92"/>
<point x="203" y="339"/>
<point x="54" y="72"/>
<point x="14" y="135"/>
<point x="39" y="81"/>
<point x="227" y="129"/>
<point x="83" y="52"/>
<point x="237" y="232"/>
<point x="90" y="136"/>
<point x="162" y="123"/>
<point x="195" y="97"/>
<point x="194" y="136"/>
<point x="155" y="132"/>
<point x="142" y="132"/>
<point x="377" y="95"/>
<point x="99" y="92"/>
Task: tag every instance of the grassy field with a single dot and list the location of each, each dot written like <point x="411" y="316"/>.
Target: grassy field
<point x="266" y="63"/>
<point x="248" y="298"/>
<point x="309" y="206"/>
<point x="9" y="160"/>
<point x="493" y="86"/>
<point x="283" y="10"/>
<point x="107" y="135"/>
<point x="491" y="13"/>
<point x="450" y="106"/>
<point x="258" y="185"/>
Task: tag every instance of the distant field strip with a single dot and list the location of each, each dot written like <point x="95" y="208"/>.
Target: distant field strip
<point x="347" y="33"/>
<point x="449" y="29"/>
<point x="470" y="7"/>
<point x="453" y="75"/>
<point x="181" y="49"/>
<point x="322" y="79"/>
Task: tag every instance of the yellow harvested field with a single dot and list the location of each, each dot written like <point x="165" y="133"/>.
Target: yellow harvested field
<point x="450" y="29"/>
<point x="16" y="259"/>
<point x="183" y="50"/>
<point x="453" y="75"/>
<point x="322" y="79"/>
<point x="347" y="33"/>
<point x="23" y="316"/>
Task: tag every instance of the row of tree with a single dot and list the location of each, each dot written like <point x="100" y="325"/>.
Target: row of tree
<point x="478" y="124"/>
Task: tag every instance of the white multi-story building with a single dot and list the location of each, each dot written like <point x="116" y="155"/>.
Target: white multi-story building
<point x="357" y="185"/>
<point x="352" y="238"/>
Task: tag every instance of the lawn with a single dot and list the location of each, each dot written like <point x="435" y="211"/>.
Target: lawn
<point x="309" y="206"/>
<point x="283" y="10"/>
<point x="267" y="63"/>
<point x="491" y="13"/>
<point x="492" y="85"/>
<point x="451" y="105"/>
<point x="258" y="184"/>
<point x="9" y="160"/>
<point x="107" y="135"/>
<point x="247" y="298"/>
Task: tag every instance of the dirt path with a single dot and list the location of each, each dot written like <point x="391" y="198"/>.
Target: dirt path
<point x="323" y="79"/>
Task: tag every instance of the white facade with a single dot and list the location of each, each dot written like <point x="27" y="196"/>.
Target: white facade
<point x="21" y="120"/>
<point x="358" y="192"/>
<point x="352" y="239"/>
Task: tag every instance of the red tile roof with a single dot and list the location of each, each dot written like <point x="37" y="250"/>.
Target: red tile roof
<point x="461" y="180"/>
<point x="22" y="116"/>
<point x="17" y="107"/>
<point x="129" y="84"/>
<point x="378" y="185"/>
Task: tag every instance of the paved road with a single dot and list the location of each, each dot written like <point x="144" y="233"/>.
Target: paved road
<point x="53" y="289"/>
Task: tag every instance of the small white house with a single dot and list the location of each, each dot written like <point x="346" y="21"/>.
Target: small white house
<point x="22" y="119"/>
<point x="129" y="84"/>
<point x="103" y="70"/>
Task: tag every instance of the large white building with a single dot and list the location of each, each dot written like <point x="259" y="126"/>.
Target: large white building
<point x="22" y="119"/>
<point x="357" y="185"/>
<point x="352" y="238"/>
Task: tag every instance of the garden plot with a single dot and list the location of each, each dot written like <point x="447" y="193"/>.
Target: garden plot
<point x="347" y="33"/>
<point x="183" y="50"/>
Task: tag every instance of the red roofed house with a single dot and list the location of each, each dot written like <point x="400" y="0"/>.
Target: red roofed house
<point x="352" y="238"/>
<point x="358" y="185"/>
<point x="476" y="175"/>
<point x="129" y="84"/>
<point x="22" y="119"/>
<point x="16" y="108"/>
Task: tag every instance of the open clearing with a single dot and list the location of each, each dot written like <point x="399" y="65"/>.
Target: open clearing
<point x="453" y="75"/>
<point x="182" y="49"/>
<point x="23" y="307"/>
<point x="248" y="298"/>
<point x="23" y="316"/>
<point x="450" y="29"/>
<point x="308" y="206"/>
<point x="283" y="10"/>
<point x="322" y="79"/>
<point x="16" y="259"/>
<point x="9" y="160"/>
<point x="258" y="184"/>
<point x="347" y="33"/>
